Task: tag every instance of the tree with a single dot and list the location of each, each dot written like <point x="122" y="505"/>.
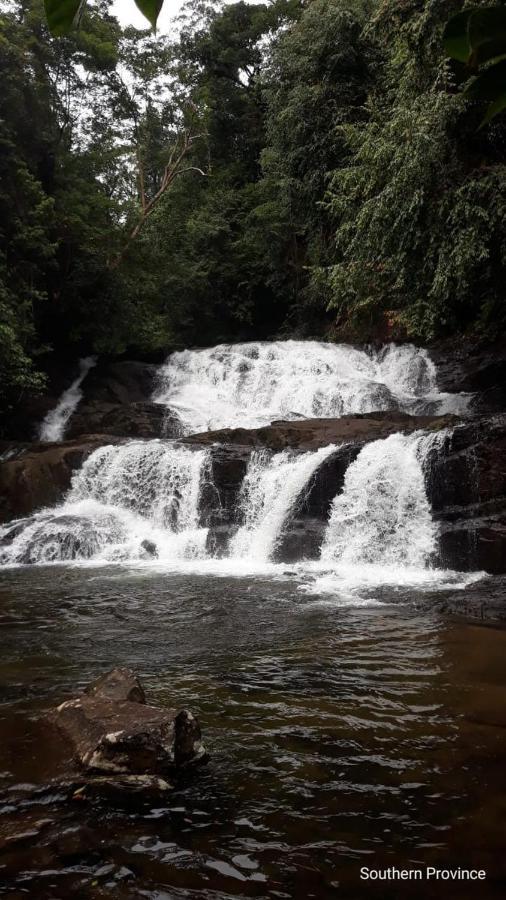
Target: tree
<point x="419" y="206"/>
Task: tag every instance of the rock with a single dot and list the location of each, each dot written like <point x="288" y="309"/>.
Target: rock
<point x="118" y="684"/>
<point x="142" y="419"/>
<point x="113" y="731"/>
<point x="150" y="548"/>
<point x="118" y="383"/>
<point x="473" y="367"/>
<point x="117" y="400"/>
<point x="104" y="787"/>
<point x="39" y="475"/>
<point x="310" y="434"/>
<point x="467" y="490"/>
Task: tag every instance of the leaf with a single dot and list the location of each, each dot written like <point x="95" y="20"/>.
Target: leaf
<point x="494" y="109"/>
<point x="489" y="86"/>
<point x="150" y="9"/>
<point x="487" y="34"/>
<point x="62" y="15"/>
<point x="456" y="36"/>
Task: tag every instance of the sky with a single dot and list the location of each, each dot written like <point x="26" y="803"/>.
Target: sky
<point x="128" y="14"/>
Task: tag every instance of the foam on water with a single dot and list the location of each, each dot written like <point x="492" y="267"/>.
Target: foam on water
<point x="250" y="385"/>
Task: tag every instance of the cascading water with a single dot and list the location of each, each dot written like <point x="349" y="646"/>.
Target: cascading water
<point x="382" y="515"/>
<point x="134" y="501"/>
<point x="53" y="426"/>
<point x="271" y="487"/>
<point x="380" y="527"/>
<point x="250" y="385"/>
<point x="142" y="500"/>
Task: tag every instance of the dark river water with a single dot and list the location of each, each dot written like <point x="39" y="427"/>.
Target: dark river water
<point x="340" y="737"/>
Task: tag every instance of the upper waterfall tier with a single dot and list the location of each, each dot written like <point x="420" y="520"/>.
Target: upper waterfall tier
<point x="250" y="385"/>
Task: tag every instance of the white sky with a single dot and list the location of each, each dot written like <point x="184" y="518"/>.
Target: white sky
<point x="128" y="14"/>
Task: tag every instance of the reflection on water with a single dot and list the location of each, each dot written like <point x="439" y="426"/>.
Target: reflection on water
<point x="341" y="737"/>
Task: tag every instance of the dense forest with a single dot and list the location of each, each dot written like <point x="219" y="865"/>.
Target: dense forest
<point x="296" y="167"/>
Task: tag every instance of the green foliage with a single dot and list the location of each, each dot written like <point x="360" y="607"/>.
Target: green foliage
<point x="477" y="38"/>
<point x="419" y="206"/>
<point x="332" y="178"/>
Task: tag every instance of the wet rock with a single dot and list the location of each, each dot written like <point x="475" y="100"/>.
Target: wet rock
<point x="39" y="475"/>
<point x="150" y="548"/>
<point x="113" y="731"/>
<point x="311" y="434"/>
<point x="119" y="684"/>
<point x="117" y="400"/>
<point x="142" y="419"/>
<point x="120" y="785"/>
<point x="473" y="367"/>
<point x="467" y="490"/>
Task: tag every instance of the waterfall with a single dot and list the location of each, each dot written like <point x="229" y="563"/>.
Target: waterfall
<point x="53" y="426"/>
<point x="146" y="500"/>
<point x="160" y="481"/>
<point x="251" y="385"/>
<point x="134" y="501"/>
<point x="383" y="516"/>
<point x="270" y="489"/>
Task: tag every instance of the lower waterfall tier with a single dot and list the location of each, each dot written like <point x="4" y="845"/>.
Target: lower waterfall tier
<point x="162" y="500"/>
<point x="402" y="498"/>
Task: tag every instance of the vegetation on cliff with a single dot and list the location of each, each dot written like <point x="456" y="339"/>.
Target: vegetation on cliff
<point x="291" y="167"/>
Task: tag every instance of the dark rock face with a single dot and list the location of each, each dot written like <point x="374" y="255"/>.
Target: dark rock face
<point x="136" y="420"/>
<point x="305" y="528"/>
<point x="467" y="489"/>
<point x="37" y="475"/>
<point x="117" y="400"/>
<point x="476" y="368"/>
<point x="113" y="731"/>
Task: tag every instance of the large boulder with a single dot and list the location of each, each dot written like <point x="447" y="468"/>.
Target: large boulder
<point x="33" y="476"/>
<point x="113" y="731"/>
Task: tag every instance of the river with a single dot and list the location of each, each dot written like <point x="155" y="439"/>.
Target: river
<point x="341" y="736"/>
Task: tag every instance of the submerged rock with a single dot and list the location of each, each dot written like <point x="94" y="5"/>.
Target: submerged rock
<point x="114" y="732"/>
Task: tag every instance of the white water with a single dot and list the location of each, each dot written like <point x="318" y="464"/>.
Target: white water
<point x="141" y="502"/>
<point x="270" y="489"/>
<point x="53" y="426"/>
<point x="121" y="498"/>
<point x="382" y="515"/>
<point x="380" y="528"/>
<point x="250" y="385"/>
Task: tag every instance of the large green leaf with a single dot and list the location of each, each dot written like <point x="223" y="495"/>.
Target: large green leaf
<point x="150" y="9"/>
<point x="490" y="86"/>
<point x="62" y="15"/>
<point x="487" y="34"/>
<point x="456" y="36"/>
